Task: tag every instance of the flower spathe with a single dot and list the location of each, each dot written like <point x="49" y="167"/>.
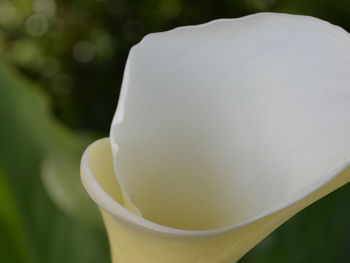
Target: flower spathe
<point x="223" y="131"/>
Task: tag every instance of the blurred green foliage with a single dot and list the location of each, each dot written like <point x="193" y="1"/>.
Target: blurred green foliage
<point x="36" y="227"/>
<point x="66" y="60"/>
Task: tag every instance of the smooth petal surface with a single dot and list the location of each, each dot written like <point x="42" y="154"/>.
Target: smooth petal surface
<point x="224" y="123"/>
<point x="134" y="239"/>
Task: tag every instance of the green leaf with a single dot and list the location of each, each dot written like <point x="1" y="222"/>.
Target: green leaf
<point x="14" y="242"/>
<point x="63" y="226"/>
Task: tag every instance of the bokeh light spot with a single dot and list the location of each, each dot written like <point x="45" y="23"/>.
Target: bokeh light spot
<point x="37" y="25"/>
<point x="46" y="7"/>
<point x="83" y="51"/>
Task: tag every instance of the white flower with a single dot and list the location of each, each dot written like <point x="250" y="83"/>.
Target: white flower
<point x="223" y="131"/>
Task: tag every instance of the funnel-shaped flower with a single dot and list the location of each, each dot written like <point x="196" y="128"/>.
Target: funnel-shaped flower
<point x="223" y="131"/>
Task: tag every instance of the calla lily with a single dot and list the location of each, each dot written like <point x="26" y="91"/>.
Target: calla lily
<point x="223" y="131"/>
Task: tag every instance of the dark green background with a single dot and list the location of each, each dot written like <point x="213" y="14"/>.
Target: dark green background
<point x="61" y="64"/>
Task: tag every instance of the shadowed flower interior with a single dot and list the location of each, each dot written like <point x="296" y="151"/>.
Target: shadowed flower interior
<point x="221" y="122"/>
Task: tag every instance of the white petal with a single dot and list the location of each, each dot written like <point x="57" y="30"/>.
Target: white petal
<point x="220" y="122"/>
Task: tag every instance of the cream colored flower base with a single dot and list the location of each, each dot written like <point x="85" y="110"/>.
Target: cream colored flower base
<point x="136" y="240"/>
